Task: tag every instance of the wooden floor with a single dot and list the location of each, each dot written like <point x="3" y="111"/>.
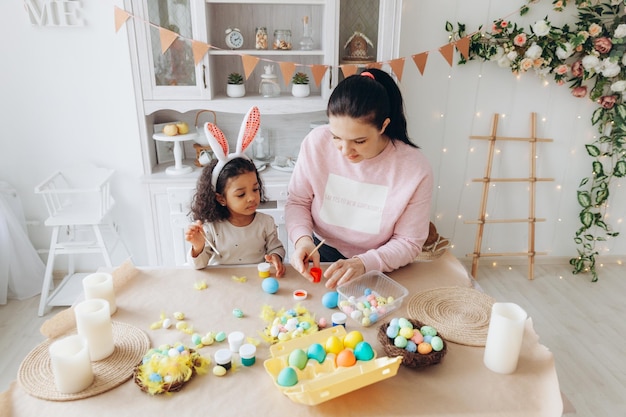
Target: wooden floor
<point x="582" y="323"/>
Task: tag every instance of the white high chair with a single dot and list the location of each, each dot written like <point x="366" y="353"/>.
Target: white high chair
<point x="78" y="200"/>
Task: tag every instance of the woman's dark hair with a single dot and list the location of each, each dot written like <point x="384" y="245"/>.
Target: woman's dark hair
<point x="371" y="100"/>
<point x="204" y="205"/>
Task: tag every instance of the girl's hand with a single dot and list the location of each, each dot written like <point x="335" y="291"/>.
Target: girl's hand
<point x="278" y="264"/>
<point x="343" y="271"/>
<point x="195" y="235"/>
<point x="304" y="246"/>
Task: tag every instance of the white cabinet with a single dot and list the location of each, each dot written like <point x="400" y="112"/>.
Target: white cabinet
<point x="170" y="85"/>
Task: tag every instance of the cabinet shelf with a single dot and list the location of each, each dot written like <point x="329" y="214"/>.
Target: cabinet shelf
<point x="265" y="52"/>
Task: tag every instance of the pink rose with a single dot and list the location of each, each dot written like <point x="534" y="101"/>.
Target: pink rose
<point x="602" y="45"/>
<point x="577" y="69"/>
<point x="607" y="102"/>
<point x="579" y="91"/>
<point x="561" y="69"/>
<point x="520" y="40"/>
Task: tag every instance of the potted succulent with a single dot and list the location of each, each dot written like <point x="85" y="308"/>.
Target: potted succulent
<point x="235" y="86"/>
<point x="300" y="86"/>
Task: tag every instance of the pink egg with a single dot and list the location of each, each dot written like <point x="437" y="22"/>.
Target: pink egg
<point x="417" y="338"/>
<point x="322" y="323"/>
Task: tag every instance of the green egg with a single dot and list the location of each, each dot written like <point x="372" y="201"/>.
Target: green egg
<point x="363" y="351"/>
<point x="298" y="358"/>
<point x="287" y="377"/>
<point x="402" y="322"/>
<point x="437" y="343"/>
<point x="428" y="331"/>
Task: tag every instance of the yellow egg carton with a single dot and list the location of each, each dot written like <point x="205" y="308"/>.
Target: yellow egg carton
<point x="318" y="383"/>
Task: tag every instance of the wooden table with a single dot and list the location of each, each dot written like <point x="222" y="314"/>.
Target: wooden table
<point x="459" y="386"/>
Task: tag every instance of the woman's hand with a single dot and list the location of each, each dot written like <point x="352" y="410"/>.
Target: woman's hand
<point x="343" y="271"/>
<point x="277" y="262"/>
<point x="300" y="257"/>
<point x="195" y="235"/>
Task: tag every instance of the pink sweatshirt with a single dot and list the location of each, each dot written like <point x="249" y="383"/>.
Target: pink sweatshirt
<point x="377" y="209"/>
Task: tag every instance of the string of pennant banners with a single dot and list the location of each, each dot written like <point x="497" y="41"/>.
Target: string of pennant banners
<point x="200" y="49"/>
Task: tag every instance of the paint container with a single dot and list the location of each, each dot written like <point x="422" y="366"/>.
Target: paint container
<point x="264" y="269"/>
<point x="247" y="352"/>
<point x="316" y="273"/>
<point x="223" y="358"/>
<point x="339" y="319"/>
<point x="235" y="340"/>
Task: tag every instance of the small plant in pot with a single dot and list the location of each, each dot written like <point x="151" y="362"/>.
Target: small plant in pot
<point x="235" y="86"/>
<point x="300" y="86"/>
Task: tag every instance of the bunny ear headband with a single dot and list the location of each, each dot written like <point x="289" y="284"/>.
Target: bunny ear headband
<point x="219" y="144"/>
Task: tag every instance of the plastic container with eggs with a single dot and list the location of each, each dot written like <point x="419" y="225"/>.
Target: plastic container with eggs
<point x="370" y="297"/>
<point x="320" y="382"/>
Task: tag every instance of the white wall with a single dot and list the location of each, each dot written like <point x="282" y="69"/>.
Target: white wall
<point x="449" y="104"/>
<point x="67" y="96"/>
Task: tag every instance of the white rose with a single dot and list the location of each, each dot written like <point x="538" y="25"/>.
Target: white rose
<point x="499" y="54"/>
<point x="504" y="62"/>
<point x="618" y="86"/>
<point x="534" y="51"/>
<point x="620" y="31"/>
<point x="541" y="28"/>
<point x="590" y="62"/>
<point x="511" y="55"/>
<point x="564" y="53"/>
<point x="609" y="68"/>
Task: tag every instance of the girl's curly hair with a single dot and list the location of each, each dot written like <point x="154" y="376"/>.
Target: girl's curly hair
<point x="204" y="205"/>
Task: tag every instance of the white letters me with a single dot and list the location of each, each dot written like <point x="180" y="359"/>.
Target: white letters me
<point x="54" y="12"/>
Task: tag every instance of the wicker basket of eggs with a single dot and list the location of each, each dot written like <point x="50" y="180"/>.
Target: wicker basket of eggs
<point x="418" y="344"/>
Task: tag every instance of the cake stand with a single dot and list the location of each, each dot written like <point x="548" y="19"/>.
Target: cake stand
<point x="178" y="168"/>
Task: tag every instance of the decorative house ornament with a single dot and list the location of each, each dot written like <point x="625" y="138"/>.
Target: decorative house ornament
<point x="357" y="48"/>
<point x="61" y="13"/>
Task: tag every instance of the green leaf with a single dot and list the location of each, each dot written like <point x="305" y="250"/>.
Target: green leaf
<point x="601" y="224"/>
<point x="449" y="27"/>
<point x="598" y="169"/>
<point x="584" y="199"/>
<point x="620" y="169"/>
<point x="620" y="111"/>
<point x="597" y="115"/>
<point x="523" y="10"/>
<point x="593" y="150"/>
<point x="589" y="237"/>
<point x="586" y="218"/>
<point x="583" y="182"/>
<point x="601" y="196"/>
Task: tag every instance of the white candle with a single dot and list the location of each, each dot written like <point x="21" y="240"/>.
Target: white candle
<point x="504" y="337"/>
<point x="71" y="366"/>
<point x="100" y="285"/>
<point x="93" y="321"/>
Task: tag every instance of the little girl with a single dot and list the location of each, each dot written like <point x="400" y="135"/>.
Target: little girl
<point x="227" y="228"/>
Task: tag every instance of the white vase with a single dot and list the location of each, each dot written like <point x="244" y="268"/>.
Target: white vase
<point x="235" y="90"/>
<point x="300" y="90"/>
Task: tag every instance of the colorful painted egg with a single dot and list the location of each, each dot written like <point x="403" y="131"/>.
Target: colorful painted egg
<point x="219" y="370"/>
<point x="424" y="348"/>
<point x="345" y="358"/>
<point x="352" y="339"/>
<point x="392" y="331"/>
<point x="437" y="343"/>
<point x="330" y="299"/>
<point x="317" y="352"/>
<point x="287" y="377"/>
<point x="333" y="345"/>
<point x="428" y="331"/>
<point x="270" y="285"/>
<point x="298" y="358"/>
<point x="364" y="351"/>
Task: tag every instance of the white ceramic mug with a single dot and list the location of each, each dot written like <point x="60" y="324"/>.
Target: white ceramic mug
<point x="205" y="157"/>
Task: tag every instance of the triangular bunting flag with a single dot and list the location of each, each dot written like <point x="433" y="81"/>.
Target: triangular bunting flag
<point x="420" y="61"/>
<point x="199" y="49"/>
<point x="447" y="51"/>
<point x="249" y="62"/>
<point x="463" y="45"/>
<point x="318" y="73"/>
<point x="121" y="16"/>
<point x="287" y="68"/>
<point x="348" y="69"/>
<point x="167" y="39"/>
<point x="377" y="65"/>
<point x="397" y="65"/>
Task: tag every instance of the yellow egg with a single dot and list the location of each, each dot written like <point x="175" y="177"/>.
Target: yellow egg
<point x="333" y="345"/>
<point x="352" y="339"/>
<point x="406" y="332"/>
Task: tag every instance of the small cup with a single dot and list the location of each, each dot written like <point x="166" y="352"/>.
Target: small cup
<point x="339" y="319"/>
<point x="235" y="340"/>
<point x="247" y="353"/>
<point x="223" y="357"/>
<point x="316" y="273"/>
<point x="264" y="269"/>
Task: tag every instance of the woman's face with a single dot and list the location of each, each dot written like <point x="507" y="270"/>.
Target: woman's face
<point x="355" y="139"/>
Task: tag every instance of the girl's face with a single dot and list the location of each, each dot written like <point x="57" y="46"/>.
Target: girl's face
<point x="355" y="139"/>
<point x="242" y="194"/>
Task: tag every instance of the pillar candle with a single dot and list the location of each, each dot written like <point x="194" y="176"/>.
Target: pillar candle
<point x="100" y="285"/>
<point x="504" y="337"/>
<point x="71" y="366"/>
<point x="93" y="322"/>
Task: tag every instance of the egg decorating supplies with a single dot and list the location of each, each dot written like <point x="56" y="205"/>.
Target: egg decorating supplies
<point x="264" y="269"/>
<point x="287" y="324"/>
<point x="300" y="295"/>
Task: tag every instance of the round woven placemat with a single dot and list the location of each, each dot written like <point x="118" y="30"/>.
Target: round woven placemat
<point x="36" y="377"/>
<point x="460" y="314"/>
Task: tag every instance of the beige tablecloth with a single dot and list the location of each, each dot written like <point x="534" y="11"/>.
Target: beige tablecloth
<point x="459" y="386"/>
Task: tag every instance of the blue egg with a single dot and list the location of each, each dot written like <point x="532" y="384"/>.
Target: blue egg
<point x="411" y="346"/>
<point x="367" y="291"/>
<point x="363" y="351"/>
<point x="394" y="322"/>
<point x="392" y="331"/>
<point x="316" y="351"/>
<point x="330" y="299"/>
<point x="270" y="285"/>
<point x="287" y="377"/>
<point x="427" y="338"/>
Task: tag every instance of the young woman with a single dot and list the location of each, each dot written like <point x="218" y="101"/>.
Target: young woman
<point x="227" y="228"/>
<point x="360" y="184"/>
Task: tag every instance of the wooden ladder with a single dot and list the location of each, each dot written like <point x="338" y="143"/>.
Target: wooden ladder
<point x="487" y="180"/>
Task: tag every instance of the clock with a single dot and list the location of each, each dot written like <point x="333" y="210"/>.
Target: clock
<point x="234" y="38"/>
